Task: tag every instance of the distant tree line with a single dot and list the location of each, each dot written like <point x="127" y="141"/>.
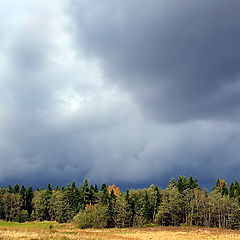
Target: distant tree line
<point x="182" y="202"/>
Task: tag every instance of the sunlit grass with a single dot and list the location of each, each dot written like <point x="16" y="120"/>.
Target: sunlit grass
<point x="41" y="225"/>
<point x="52" y="230"/>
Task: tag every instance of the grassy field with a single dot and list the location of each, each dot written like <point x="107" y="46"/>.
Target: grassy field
<point x="52" y="230"/>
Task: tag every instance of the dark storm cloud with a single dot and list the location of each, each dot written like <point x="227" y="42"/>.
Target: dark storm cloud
<point x="179" y="59"/>
<point x="64" y="117"/>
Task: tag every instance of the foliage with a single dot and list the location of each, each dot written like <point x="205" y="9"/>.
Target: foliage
<point x="22" y="216"/>
<point x="59" y="207"/>
<point x="113" y="189"/>
<point x="96" y="217"/>
<point x="123" y="213"/>
<point x="12" y="205"/>
<point x="182" y="202"/>
<point x="169" y="212"/>
<point x="40" y="201"/>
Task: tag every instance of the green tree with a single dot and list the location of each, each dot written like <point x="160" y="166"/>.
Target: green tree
<point x="85" y="193"/>
<point x="9" y="188"/>
<point x="193" y="183"/>
<point x="182" y="184"/>
<point x="232" y="190"/>
<point x="111" y="206"/>
<point x="221" y="187"/>
<point x="171" y="207"/>
<point x="74" y="198"/>
<point x="154" y="199"/>
<point x="122" y="212"/>
<point x="41" y="204"/>
<point x="172" y="183"/>
<point x="59" y="207"/>
<point x="22" y="192"/>
<point x="146" y="209"/>
<point x="102" y="195"/>
<point x="48" y="190"/>
<point x="12" y="205"/>
<point x="2" y="192"/>
<point x="95" y="188"/>
<point x="29" y="197"/>
<point x="16" y="189"/>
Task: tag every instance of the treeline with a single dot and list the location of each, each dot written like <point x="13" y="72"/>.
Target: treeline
<point x="182" y="202"/>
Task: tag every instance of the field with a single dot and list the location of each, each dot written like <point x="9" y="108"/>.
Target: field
<point x="52" y="230"/>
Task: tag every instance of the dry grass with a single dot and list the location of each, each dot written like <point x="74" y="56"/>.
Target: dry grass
<point x="43" y="231"/>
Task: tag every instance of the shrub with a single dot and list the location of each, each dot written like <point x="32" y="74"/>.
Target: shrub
<point x="22" y="216"/>
<point x="96" y="217"/>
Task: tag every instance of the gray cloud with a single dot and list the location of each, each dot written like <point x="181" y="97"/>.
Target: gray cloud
<point x="180" y="60"/>
<point x="78" y="84"/>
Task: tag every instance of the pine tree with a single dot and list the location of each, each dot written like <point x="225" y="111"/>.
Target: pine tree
<point x="111" y="205"/>
<point x="16" y="189"/>
<point x="73" y="195"/>
<point x="29" y="197"/>
<point x="96" y="188"/>
<point x="22" y="192"/>
<point x="103" y="195"/>
<point x="130" y="206"/>
<point x="41" y="205"/>
<point x="49" y="189"/>
<point x="154" y="199"/>
<point x="122" y="212"/>
<point x="182" y="184"/>
<point x="60" y="209"/>
<point x="92" y="195"/>
<point x="103" y="187"/>
<point x="172" y="183"/>
<point x="171" y="208"/>
<point x="193" y="183"/>
<point x="85" y="193"/>
<point x="9" y="188"/>
<point x="146" y="209"/>
<point x="221" y="187"/>
<point x="232" y="190"/>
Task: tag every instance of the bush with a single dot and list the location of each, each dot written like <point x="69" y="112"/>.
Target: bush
<point x="83" y="219"/>
<point x="22" y="216"/>
<point x="95" y="217"/>
<point x="138" y="221"/>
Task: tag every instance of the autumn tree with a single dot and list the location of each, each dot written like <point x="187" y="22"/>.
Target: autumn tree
<point x="113" y="189"/>
<point x="221" y="187"/>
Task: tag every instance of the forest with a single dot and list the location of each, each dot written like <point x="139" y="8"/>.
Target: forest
<point x="88" y="206"/>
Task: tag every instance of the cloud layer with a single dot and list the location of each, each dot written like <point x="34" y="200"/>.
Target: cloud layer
<point x="180" y="60"/>
<point x="129" y="92"/>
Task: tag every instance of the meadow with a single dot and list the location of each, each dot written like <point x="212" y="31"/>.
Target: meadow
<point x="53" y="230"/>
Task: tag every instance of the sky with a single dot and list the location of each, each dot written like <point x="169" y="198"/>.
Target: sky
<point x="124" y="92"/>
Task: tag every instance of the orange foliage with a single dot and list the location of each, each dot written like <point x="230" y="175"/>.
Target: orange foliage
<point x="91" y="206"/>
<point x="113" y="188"/>
<point x="222" y="183"/>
